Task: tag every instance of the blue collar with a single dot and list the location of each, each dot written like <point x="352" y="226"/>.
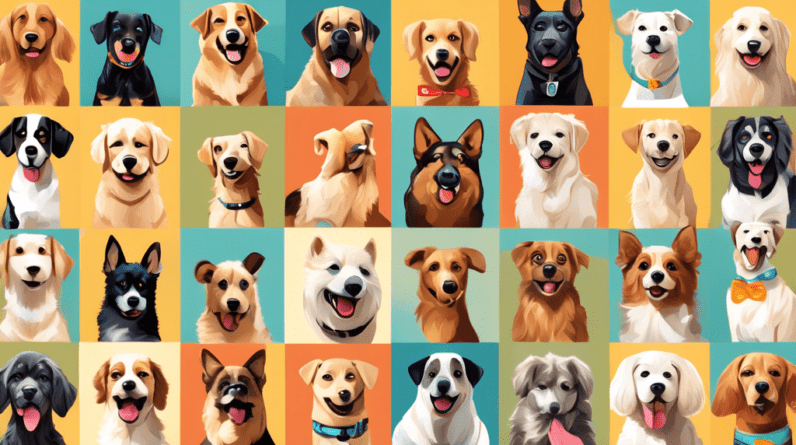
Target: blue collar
<point x="240" y="206"/>
<point x="768" y="275"/>
<point x="648" y="84"/>
<point x="777" y="437"/>
<point x="341" y="434"/>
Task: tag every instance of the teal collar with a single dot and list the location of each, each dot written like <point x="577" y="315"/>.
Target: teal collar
<point x="343" y="434"/>
<point x="768" y="275"/>
<point x="777" y="437"/>
<point x="238" y="206"/>
<point x="653" y="84"/>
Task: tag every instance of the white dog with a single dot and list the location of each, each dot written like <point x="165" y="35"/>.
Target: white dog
<point x="760" y="306"/>
<point x="656" y="63"/>
<point x="342" y="293"/>
<point x="444" y="410"/>
<point x="555" y="194"/>
<point x="657" y="392"/>
<point x="751" y="61"/>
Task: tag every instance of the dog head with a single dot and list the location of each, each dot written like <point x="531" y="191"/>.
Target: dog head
<point x="442" y="45"/>
<point x="341" y="38"/>
<point x="548" y="138"/>
<point x="657" y="274"/>
<point x="33" y="260"/>
<point x="131" y="385"/>
<point x="127" y="35"/>
<point x="755" y="243"/>
<point x="34" y="138"/>
<point x="654" y="41"/>
<point x="31" y="32"/>
<point x="130" y="287"/>
<point x="444" y="272"/>
<point x="338" y="385"/>
<point x="228" y="32"/>
<point x="552" y="35"/>
<point x="346" y="151"/>
<point x="756" y="150"/>
<point x="664" y="143"/>
<point x="231" y="288"/>
<point x="548" y="267"/>
<point x="753" y="37"/>
<point x="445" y="382"/>
<point x="235" y="154"/>
<point x="554" y="386"/>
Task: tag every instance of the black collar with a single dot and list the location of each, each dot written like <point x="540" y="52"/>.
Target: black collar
<point x="546" y="76"/>
<point x="239" y="206"/>
<point x="343" y="334"/>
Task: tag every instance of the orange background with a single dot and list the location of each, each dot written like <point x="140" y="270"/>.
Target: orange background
<point x="593" y="157"/>
<point x="377" y="400"/>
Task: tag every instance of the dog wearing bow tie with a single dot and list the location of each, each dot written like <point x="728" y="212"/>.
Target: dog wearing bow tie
<point x="760" y="306"/>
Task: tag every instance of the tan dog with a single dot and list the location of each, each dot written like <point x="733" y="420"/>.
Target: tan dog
<point x="33" y="267"/>
<point x="31" y="38"/>
<point x="338" y="400"/>
<point x="444" y="48"/>
<point x="230" y="71"/>
<point x="233" y="161"/>
<point x="232" y="313"/>
<point x="338" y="72"/>
<point x="443" y="282"/>
<point x="129" y="195"/>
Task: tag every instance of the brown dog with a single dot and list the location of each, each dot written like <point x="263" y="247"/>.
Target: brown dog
<point x="443" y="283"/>
<point x="550" y="308"/>
<point x="31" y="38"/>
<point x="233" y="161"/>
<point x="230" y="71"/>
<point x="444" y="49"/>
<point x="338" y="72"/>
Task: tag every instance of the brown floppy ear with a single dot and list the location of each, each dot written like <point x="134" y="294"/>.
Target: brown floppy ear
<point x="5" y="254"/>
<point x="685" y="244"/>
<point x="411" y="38"/>
<point x="733" y="231"/>
<point x="161" y="386"/>
<point x="577" y="257"/>
<point x="475" y="259"/>
<point x="206" y="156"/>
<point x="790" y="386"/>
<point x="625" y="23"/>
<point x="203" y="272"/>
<point x="367" y="371"/>
<point x="518" y="254"/>
<point x="415" y="258"/>
<point x="101" y="380"/>
<point x="779" y="232"/>
<point x="160" y="144"/>
<point x="211" y="367"/>
<point x="729" y="397"/>
<point x="62" y="263"/>
<point x="63" y="43"/>
<point x="256" y="365"/>
<point x="472" y="139"/>
<point x="257" y="148"/>
<point x="307" y="372"/>
<point x="202" y="23"/>
<point x="629" y="249"/>
<point x="425" y="137"/>
<point x="257" y="20"/>
<point x="253" y="262"/>
<point x="6" y="40"/>
<point x="632" y="136"/>
<point x="692" y="137"/>
<point x="470" y="39"/>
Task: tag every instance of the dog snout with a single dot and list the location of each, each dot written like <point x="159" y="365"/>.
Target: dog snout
<point x="233" y="35"/>
<point x="653" y="40"/>
<point x="761" y="387"/>
<point x="233" y="304"/>
<point x="658" y="277"/>
<point x="449" y="287"/>
<point x="33" y="270"/>
<point x="128" y="386"/>
<point x="133" y="301"/>
<point x="757" y="240"/>
<point x="548" y="43"/>
<point x="31" y="152"/>
<point x="31" y="37"/>
<point x="756" y="149"/>
<point x="545" y="146"/>
<point x="663" y="146"/>
<point x="29" y="392"/>
<point x="657" y="388"/>
<point x="345" y="395"/>
<point x="555" y="408"/>
<point x="443" y="386"/>
<point x="353" y="286"/>
<point x="340" y="38"/>
<point x="753" y="45"/>
<point x="230" y="163"/>
<point x="443" y="54"/>
<point x="129" y="162"/>
<point x="549" y="270"/>
<point x="448" y="177"/>
<point x="237" y="389"/>
<point x="128" y="45"/>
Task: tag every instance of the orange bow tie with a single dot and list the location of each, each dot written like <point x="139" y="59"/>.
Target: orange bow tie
<point x="654" y="84"/>
<point x="425" y="90"/>
<point x="742" y="291"/>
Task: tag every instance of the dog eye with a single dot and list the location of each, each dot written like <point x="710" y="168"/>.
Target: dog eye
<point x="364" y="271"/>
<point x="645" y="374"/>
<point x="675" y="136"/>
<point x="434" y="267"/>
<point x="241" y="18"/>
<point x="562" y="259"/>
<point x="44" y="20"/>
<point x="142" y="375"/>
<point x="542" y="387"/>
<point x="223" y="385"/>
<point x="123" y="283"/>
<point x="534" y="135"/>
<point x="764" y="28"/>
<point x="243" y="146"/>
<point x="453" y="38"/>
<point x="115" y="375"/>
<point x="223" y="284"/>
<point x="768" y="136"/>
<point x="643" y="266"/>
<point x="651" y="135"/>
<point x="327" y="377"/>
<point x="116" y="27"/>
<point x="741" y="28"/>
<point x="16" y="376"/>
<point x="744" y="138"/>
<point x="457" y="373"/>
<point x="218" y="20"/>
<point x="561" y="27"/>
<point x="349" y="376"/>
<point x="745" y="231"/>
<point x="774" y="373"/>
<point x="327" y="27"/>
<point x="671" y="266"/>
<point x="22" y="134"/>
<point x="429" y="38"/>
<point x="642" y="28"/>
<point x="333" y="269"/>
<point x="748" y="373"/>
<point x="140" y="285"/>
<point x="538" y="258"/>
<point x="432" y="374"/>
<point x="667" y="375"/>
<point x="559" y="135"/>
<point x="664" y="29"/>
<point x="539" y="27"/>
<point x="244" y="284"/>
<point x="139" y="29"/>
<point x="565" y="387"/>
<point x="437" y="156"/>
<point x="353" y="28"/>
<point x="41" y="250"/>
<point x="217" y="149"/>
<point x="117" y="144"/>
<point x="456" y="267"/>
<point x="765" y="231"/>
<point x="139" y="145"/>
<point x="19" y="250"/>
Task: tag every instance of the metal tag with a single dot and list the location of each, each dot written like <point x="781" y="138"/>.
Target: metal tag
<point x="551" y="88"/>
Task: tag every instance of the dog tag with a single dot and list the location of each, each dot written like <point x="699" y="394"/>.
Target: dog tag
<point x="551" y="88"/>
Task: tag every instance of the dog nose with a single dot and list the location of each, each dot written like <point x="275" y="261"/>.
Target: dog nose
<point x="353" y="286"/>
<point x="756" y="149"/>
<point x="128" y="385"/>
<point x="133" y="301"/>
<point x="657" y="276"/>
<point x="31" y="37"/>
<point x="236" y="389"/>
<point x="545" y="146"/>
<point x="128" y="45"/>
<point x="548" y="43"/>
<point x="129" y="163"/>
<point x="753" y="45"/>
<point x="756" y="240"/>
<point x="663" y="145"/>
<point x="449" y="287"/>
<point x="230" y="163"/>
<point x="657" y="388"/>
<point x="448" y="177"/>
<point x="31" y="151"/>
<point x="761" y="387"/>
<point x="33" y="270"/>
<point x="444" y="386"/>
<point x="555" y="408"/>
<point x="341" y="38"/>
<point x="345" y="395"/>
<point x="443" y="54"/>
<point x="653" y="40"/>
<point x="549" y="270"/>
<point x="233" y="304"/>
<point x="233" y="35"/>
<point x="29" y="392"/>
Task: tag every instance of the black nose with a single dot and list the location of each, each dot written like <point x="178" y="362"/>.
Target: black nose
<point x="353" y="286"/>
<point x="31" y="37"/>
<point x="653" y="40"/>
<point x="657" y="388"/>
<point x="448" y="177"/>
<point x="549" y="270"/>
<point x="345" y="395"/>
<point x="548" y="43"/>
<point x="663" y="145"/>
<point x="658" y="276"/>
<point x="129" y="163"/>
<point x="753" y="45"/>
<point x="133" y="301"/>
<point x="233" y="304"/>
<point x="29" y="392"/>
<point x="128" y="46"/>
<point x="31" y="151"/>
<point x="449" y="287"/>
<point x="444" y="386"/>
<point x="545" y="146"/>
<point x="230" y="163"/>
<point x="128" y="385"/>
<point x="443" y="54"/>
<point x="756" y="239"/>
<point x="233" y="35"/>
<point x="555" y="408"/>
<point x="33" y="270"/>
<point x="761" y="387"/>
<point x="238" y="388"/>
<point x="756" y="149"/>
<point x="341" y="38"/>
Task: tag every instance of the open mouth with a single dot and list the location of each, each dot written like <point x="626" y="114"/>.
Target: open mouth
<point x="340" y="410"/>
<point x="32" y="284"/>
<point x="548" y="287"/>
<point x="344" y="306"/>
<point x="231" y="321"/>
<point x="753" y="254"/>
<point x="443" y="404"/>
<point x="233" y="174"/>
<point x="762" y="405"/>
<point x="30" y="417"/>
<point x="238" y="411"/>
<point x="31" y="52"/>
<point x="125" y="59"/>
<point x="447" y="195"/>
<point x="129" y="178"/>
<point x="751" y="60"/>
<point x="549" y="61"/>
<point x="132" y="314"/>
<point x="546" y="162"/>
<point x="663" y="162"/>
<point x="657" y="292"/>
<point x="129" y="408"/>
<point x="442" y="70"/>
<point x="755" y="173"/>
<point x="655" y="413"/>
<point x="234" y="53"/>
<point x="31" y="174"/>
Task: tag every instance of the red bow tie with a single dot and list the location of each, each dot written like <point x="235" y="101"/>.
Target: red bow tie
<point x="425" y="90"/>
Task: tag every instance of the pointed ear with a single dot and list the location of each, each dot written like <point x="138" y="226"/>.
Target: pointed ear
<point x="623" y="390"/>
<point x="415" y="258"/>
<point x="63" y="43"/>
<point x="473" y="371"/>
<point x="257" y="149"/>
<point x="100" y="29"/>
<point x="726" y="149"/>
<point x="367" y="371"/>
<point x="692" y="137"/>
<point x="470" y="39"/>
<point x="253" y="262"/>
<point x="61" y="139"/>
<point x="472" y="139"/>
<point x="257" y="20"/>
<point x="690" y="395"/>
<point x="151" y="260"/>
<point x="685" y="245"/>
<point x="160" y="144"/>
<point x="580" y="134"/>
<point x="729" y="397"/>
<point x="632" y="136"/>
<point x="475" y="259"/>
<point x="321" y="141"/>
<point x="203" y="271"/>
<point x="417" y="369"/>
<point x="100" y="381"/>
<point x="520" y="253"/>
<point x="425" y="137"/>
<point x="161" y="386"/>
<point x="206" y="156"/>
<point x="529" y="9"/>
<point x="520" y="129"/>
<point x="202" y="23"/>
<point x="113" y="255"/>
<point x="577" y="257"/>
<point x="681" y="21"/>
<point x="7" y="146"/>
<point x="317" y="246"/>
<point x="411" y="38"/>
<point x="211" y="367"/>
<point x="734" y="231"/>
<point x="573" y="10"/>
<point x="156" y="32"/>
<point x="310" y="31"/>
<point x="370" y="248"/>
<point x="256" y="365"/>
<point x="308" y="371"/>
<point x="64" y="393"/>
<point x="62" y="263"/>
<point x="629" y="249"/>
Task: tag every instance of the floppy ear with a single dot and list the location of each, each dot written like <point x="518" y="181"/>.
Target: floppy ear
<point x="415" y="258"/>
<point x="417" y="369"/>
<point x="257" y="20"/>
<point x="100" y="29"/>
<point x="203" y="272"/>
<point x="367" y="371"/>
<point x="211" y="367"/>
<point x="310" y="30"/>
<point x="370" y="248"/>
<point x="425" y="137"/>
<point x="160" y="144"/>
<point x="524" y="374"/>
<point x="206" y="156"/>
<point x="691" y="397"/>
<point x="474" y="372"/>
<point x="370" y="32"/>
<point x="6" y="40"/>
<point x="202" y="23"/>
<point x="151" y="260"/>
<point x="99" y="146"/>
<point x="573" y="10"/>
<point x="5" y="254"/>
<point x="625" y="23"/>
<point x="519" y="253"/>
<point x="580" y="134"/>
<point x="309" y="370"/>
<point x="629" y="249"/>
<point x="253" y="262"/>
<point x="778" y="232"/>
<point x="113" y="255"/>
<point x="62" y="263"/>
<point x="733" y="231"/>
<point x="781" y="44"/>
<point x="681" y="21"/>
<point x="64" y="393"/>
<point x="61" y="139"/>
<point x="475" y="259"/>
<point x="622" y="390"/>
<point x="7" y="138"/>
<point x="577" y="257"/>
<point x="729" y="397"/>
<point x="411" y="38"/>
<point x="519" y="131"/>
<point x="4" y="400"/>
<point x="726" y="149"/>
<point x="632" y="136"/>
<point x="685" y="244"/>
<point x="155" y="31"/>
<point x="583" y="376"/>
<point x="257" y="148"/>
<point x="529" y="9"/>
<point x="321" y="141"/>
<point x="470" y="39"/>
<point x="63" y="43"/>
<point x="692" y="137"/>
<point x="790" y="386"/>
<point x="784" y="144"/>
<point x="100" y="379"/>
<point x="256" y="365"/>
<point x="472" y="139"/>
<point x="161" y="387"/>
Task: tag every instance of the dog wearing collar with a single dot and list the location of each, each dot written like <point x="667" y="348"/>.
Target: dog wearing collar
<point x="338" y="400"/>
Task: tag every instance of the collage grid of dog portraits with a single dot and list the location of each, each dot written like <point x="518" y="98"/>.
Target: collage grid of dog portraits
<point x="459" y="222"/>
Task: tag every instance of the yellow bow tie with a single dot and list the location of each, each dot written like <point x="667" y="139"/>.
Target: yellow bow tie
<point x="654" y="84"/>
<point x="741" y="291"/>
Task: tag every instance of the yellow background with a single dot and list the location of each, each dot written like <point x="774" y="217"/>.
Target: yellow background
<point x="483" y="72"/>
<point x="91" y="120"/>
<point x="134" y="244"/>
<point x="624" y="165"/>
<point x="297" y="242"/>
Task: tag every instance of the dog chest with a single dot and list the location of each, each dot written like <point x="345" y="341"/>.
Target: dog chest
<point x="646" y="324"/>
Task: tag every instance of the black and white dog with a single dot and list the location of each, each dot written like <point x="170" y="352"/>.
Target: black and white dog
<point x="762" y="189"/>
<point x="34" y="201"/>
<point x="553" y="73"/>
<point x="128" y="312"/>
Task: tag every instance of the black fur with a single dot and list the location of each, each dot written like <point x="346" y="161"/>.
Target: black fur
<point x="474" y="372"/>
<point x="417" y="369"/>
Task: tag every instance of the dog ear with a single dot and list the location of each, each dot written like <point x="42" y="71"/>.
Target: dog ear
<point x="161" y="386"/>
<point x="519" y="131"/>
<point x="155" y="31"/>
<point x="317" y="246"/>
<point x="623" y="398"/>
<point x="729" y="398"/>
<point x="474" y="372"/>
<point x="63" y="43"/>
<point x="101" y="380"/>
<point x="4" y="399"/>
<point x="61" y="139"/>
<point x="99" y="146"/>
<point x="256" y="19"/>
<point x="778" y="231"/>
<point x="253" y="262"/>
<point x="6" y="39"/>
<point x="62" y="263"/>
<point x="100" y="29"/>
<point x="5" y="254"/>
<point x="519" y="253"/>
<point x="211" y="367"/>
<point x="310" y="31"/>
<point x="367" y="371"/>
<point x="580" y="134"/>
<point x="113" y="255"/>
<point x="692" y="137"/>
<point x="7" y="137"/>
<point x="784" y="144"/>
<point x="472" y="139"/>
<point x="160" y="144"/>
<point x="202" y="23"/>
<point x="367" y="128"/>
<point x="256" y="365"/>
<point x="257" y="149"/>
<point x="524" y="375"/>
<point x="584" y="379"/>
<point x="577" y="257"/>
<point x="685" y="245"/>
<point x="626" y="22"/>
<point x="417" y="369"/>
<point x="781" y="43"/>
<point x="790" y="385"/>
<point x="470" y="38"/>
<point x="412" y="39"/>
<point x="205" y="155"/>
<point x="308" y="371"/>
<point x="681" y="21"/>
<point x="726" y="149"/>
<point x="415" y="258"/>
<point x="370" y="32"/>
<point x="370" y="248"/>
<point x="321" y="141"/>
<point x="690" y="397"/>
<point x="529" y="9"/>
<point x="475" y="259"/>
<point x="425" y="137"/>
<point x="151" y="260"/>
<point x="632" y="136"/>
<point x="733" y="231"/>
<point x="203" y="272"/>
<point x="64" y="393"/>
<point x="573" y="10"/>
<point x="629" y="249"/>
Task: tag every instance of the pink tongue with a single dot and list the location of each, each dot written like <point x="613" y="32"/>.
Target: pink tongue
<point x="30" y="416"/>
<point x="545" y="162"/>
<point x="31" y="174"/>
<point x="32" y="54"/>
<point x="340" y="68"/>
<point x="442" y="71"/>
<point x="129" y="412"/>
<point x="655" y="56"/>
<point x="237" y="415"/>
<point x="233" y="56"/>
<point x="549" y="61"/>
<point x="128" y="177"/>
<point x="445" y="196"/>
<point x="442" y="404"/>
<point x="753" y="255"/>
<point x="657" y="419"/>
<point x="344" y="307"/>
<point x="751" y="60"/>
<point x="549" y="287"/>
<point x="559" y="436"/>
<point x="755" y="180"/>
<point x="757" y="168"/>
<point x="229" y="322"/>
<point x="126" y="58"/>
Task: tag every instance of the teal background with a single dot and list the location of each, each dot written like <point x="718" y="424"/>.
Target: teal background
<point x="270" y="44"/>
<point x="449" y="123"/>
<point x="485" y="393"/>
<point x="481" y="287"/>
<point x="301" y="12"/>
<point x="69" y="301"/>
<point x="161" y="59"/>
<point x="722" y="354"/>
<point x="218" y="245"/>
<point x="692" y="46"/>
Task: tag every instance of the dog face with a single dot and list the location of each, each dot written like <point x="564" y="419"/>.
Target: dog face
<point x="130" y="149"/>
<point x="33" y="260"/>
<point x="548" y="266"/>
<point x="130" y="385"/>
<point x="444" y="272"/>
<point x="756" y="150"/>
<point x="754" y="35"/>
<point x="552" y="35"/>
<point x="757" y="387"/>
<point x="228" y="32"/>
<point x="445" y="382"/>
<point x="553" y="386"/>
<point x="127" y="36"/>
<point x="664" y="143"/>
<point x="34" y="138"/>
<point x="441" y="45"/>
<point x="341" y="38"/>
<point x="755" y="242"/>
<point x="231" y="288"/>
<point x="130" y="287"/>
<point x="348" y="150"/>
<point x="235" y="154"/>
<point x="549" y="137"/>
<point x="31" y="32"/>
<point x="654" y="41"/>
<point x="338" y="385"/>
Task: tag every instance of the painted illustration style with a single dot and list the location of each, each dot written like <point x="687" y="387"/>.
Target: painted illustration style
<point x="553" y="73"/>
<point x="34" y="199"/>
<point x="655" y="71"/>
<point x="757" y="151"/>
<point x="338" y="400"/>
<point x="345" y="193"/>
<point x="31" y="38"/>
<point x="659" y="286"/>
<point x="338" y="73"/>
<point x="554" y="405"/>
<point x="342" y="292"/>
<point x="132" y="387"/>
<point x="33" y="269"/>
<point x="444" y="410"/>
<point x="760" y="305"/>
<point x="661" y="197"/>
<point x="444" y="49"/>
<point x="550" y="308"/>
<point x="234" y="162"/>
<point x="658" y="392"/>
<point x="128" y="309"/>
<point x="125" y="79"/>
<point x="129" y="193"/>
<point x="445" y="188"/>
<point x="232" y="310"/>
<point x="230" y="70"/>
<point x="751" y="62"/>
<point x="33" y="386"/>
<point x="442" y="312"/>
<point x="555" y="193"/>
<point x="234" y="410"/>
